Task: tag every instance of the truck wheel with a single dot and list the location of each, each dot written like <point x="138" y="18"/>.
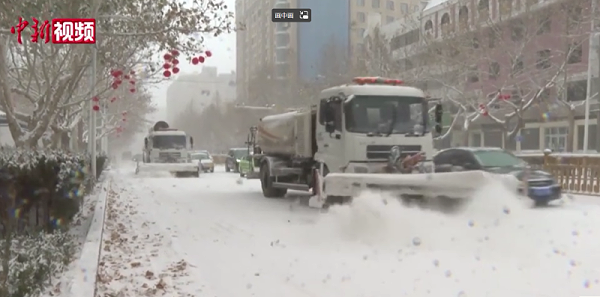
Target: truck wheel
<point x="266" y="184"/>
<point x="227" y="168"/>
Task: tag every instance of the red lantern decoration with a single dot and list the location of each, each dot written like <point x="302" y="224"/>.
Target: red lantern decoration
<point x="201" y="59"/>
<point x="126" y="77"/>
<point x="118" y="81"/>
<point x="175" y="70"/>
<point x="132" y="90"/>
<point x="132" y="82"/>
<point x="503" y="96"/>
<point x="175" y="61"/>
<point x="132" y="72"/>
<point x="175" y="53"/>
<point x="113" y="99"/>
<point x="167" y="57"/>
<point x="96" y="108"/>
<point x="208" y="53"/>
<point x="115" y="85"/>
<point x="167" y="73"/>
<point x="167" y="66"/>
<point x="195" y="61"/>
<point x="96" y="99"/>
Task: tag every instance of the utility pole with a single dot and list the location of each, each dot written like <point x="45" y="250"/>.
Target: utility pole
<point x="92" y="114"/>
<point x="592" y="60"/>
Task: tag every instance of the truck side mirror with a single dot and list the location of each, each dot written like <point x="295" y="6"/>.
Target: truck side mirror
<point x="439" y="111"/>
<point x="146" y="142"/>
<point x="191" y="142"/>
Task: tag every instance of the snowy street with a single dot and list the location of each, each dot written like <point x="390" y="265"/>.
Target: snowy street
<point x="218" y="236"/>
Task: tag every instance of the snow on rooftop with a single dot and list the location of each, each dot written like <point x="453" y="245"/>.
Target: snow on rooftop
<point x="434" y="3"/>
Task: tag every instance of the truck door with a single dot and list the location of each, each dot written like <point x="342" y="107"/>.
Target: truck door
<point x="329" y="135"/>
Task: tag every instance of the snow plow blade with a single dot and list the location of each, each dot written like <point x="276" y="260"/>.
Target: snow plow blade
<point x="177" y="169"/>
<point x="455" y="185"/>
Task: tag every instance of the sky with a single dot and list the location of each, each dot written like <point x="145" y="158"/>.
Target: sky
<point x="223" y="50"/>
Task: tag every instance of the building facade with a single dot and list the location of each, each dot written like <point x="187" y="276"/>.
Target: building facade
<point x="199" y="90"/>
<point x="535" y="51"/>
<point x="296" y="51"/>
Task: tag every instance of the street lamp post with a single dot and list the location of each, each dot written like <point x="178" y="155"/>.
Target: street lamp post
<point x="593" y="45"/>
<point x="92" y="113"/>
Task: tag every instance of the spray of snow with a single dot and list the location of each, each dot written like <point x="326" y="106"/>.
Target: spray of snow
<point x="491" y="215"/>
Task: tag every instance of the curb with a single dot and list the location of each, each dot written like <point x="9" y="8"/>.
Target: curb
<point x="84" y="284"/>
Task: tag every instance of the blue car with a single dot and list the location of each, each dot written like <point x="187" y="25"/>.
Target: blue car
<point x="542" y="186"/>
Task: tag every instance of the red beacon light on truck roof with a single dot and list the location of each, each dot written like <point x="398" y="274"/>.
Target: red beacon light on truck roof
<point x="376" y="81"/>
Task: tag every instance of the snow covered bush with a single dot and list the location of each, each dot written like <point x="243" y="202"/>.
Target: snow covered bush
<point x="32" y="261"/>
<point x="39" y="188"/>
<point x="40" y="193"/>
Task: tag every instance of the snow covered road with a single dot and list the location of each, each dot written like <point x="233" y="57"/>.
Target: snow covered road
<point x="215" y="236"/>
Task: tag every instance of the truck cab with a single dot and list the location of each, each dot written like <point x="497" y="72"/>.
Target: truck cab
<point x="351" y="129"/>
<point x="358" y="124"/>
<point x="167" y="146"/>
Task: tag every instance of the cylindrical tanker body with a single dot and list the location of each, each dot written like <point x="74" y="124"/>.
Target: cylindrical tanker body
<point x="285" y="134"/>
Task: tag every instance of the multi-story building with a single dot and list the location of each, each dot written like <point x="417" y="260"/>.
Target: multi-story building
<point x="199" y="90"/>
<point x="535" y="51"/>
<point x="297" y="52"/>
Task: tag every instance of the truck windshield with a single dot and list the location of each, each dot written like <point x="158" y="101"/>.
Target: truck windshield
<point x="239" y="154"/>
<point x="366" y="114"/>
<point x="169" y="142"/>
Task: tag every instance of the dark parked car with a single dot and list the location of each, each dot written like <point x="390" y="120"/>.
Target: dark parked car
<point x="542" y="186"/>
<point x="233" y="158"/>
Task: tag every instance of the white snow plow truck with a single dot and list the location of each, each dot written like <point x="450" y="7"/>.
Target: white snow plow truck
<point x="374" y="133"/>
<point x="168" y="150"/>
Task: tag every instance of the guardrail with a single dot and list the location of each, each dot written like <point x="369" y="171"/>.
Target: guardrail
<point x="577" y="173"/>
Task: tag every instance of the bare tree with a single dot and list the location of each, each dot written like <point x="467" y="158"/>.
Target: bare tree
<point x="51" y="78"/>
<point x="495" y="68"/>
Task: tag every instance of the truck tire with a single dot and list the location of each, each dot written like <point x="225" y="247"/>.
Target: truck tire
<point x="266" y="183"/>
<point x="226" y="167"/>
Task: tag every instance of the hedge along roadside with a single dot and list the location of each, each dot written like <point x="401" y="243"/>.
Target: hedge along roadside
<point x="40" y="193"/>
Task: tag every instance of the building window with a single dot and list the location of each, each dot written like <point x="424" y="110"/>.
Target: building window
<point x="475" y="42"/>
<point x="375" y="3"/>
<point x="463" y="17"/>
<point x="576" y="90"/>
<point x="390" y="5"/>
<point x="530" y="139"/>
<point x="445" y="24"/>
<point x="389" y="19"/>
<point x="494" y="70"/>
<point x="555" y="138"/>
<point x="484" y="10"/>
<point x="404" y="8"/>
<point x="591" y="139"/>
<point x="544" y="23"/>
<point x="492" y="138"/>
<point x="361" y="17"/>
<point x="360" y="3"/>
<point x="543" y="59"/>
<point x="575" y="53"/>
<point x="492" y="38"/>
<point x="505" y="7"/>
<point x="473" y="75"/>
<point x="476" y="139"/>
<point x="517" y="66"/>
<point x="517" y="31"/>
